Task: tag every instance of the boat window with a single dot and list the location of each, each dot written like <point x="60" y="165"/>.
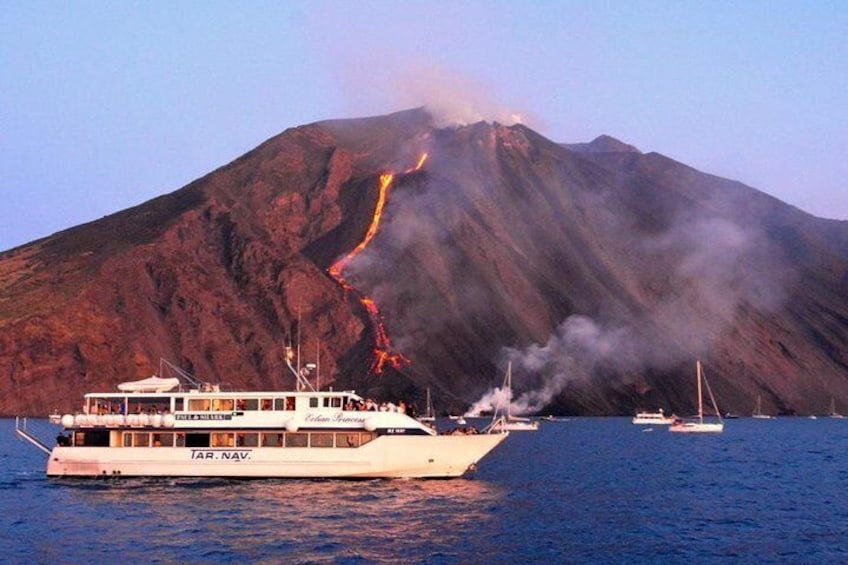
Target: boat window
<point x="297" y="440"/>
<point x="321" y="440"/>
<point x="104" y="406"/>
<point x="266" y="404"/>
<point x="92" y="438"/>
<point x="179" y="439"/>
<point x="347" y="439"/>
<point x="366" y="437"/>
<point x="198" y="404"/>
<point x="221" y="439"/>
<point x="333" y="402"/>
<point x="313" y="402"/>
<point x="197" y="440"/>
<point x="127" y="439"/>
<point x="286" y="403"/>
<point x="243" y="404"/>
<point x="148" y="405"/>
<point x="247" y="440"/>
<point x="178" y="404"/>
<point x="222" y="404"/>
<point x="163" y="440"/>
<point x="141" y="439"/>
<point x="272" y="440"/>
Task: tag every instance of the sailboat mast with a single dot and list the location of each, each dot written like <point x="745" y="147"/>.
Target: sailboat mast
<point x="700" y="394"/>
<point x="509" y="388"/>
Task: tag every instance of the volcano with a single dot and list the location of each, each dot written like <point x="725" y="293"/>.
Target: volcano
<point x="600" y="272"/>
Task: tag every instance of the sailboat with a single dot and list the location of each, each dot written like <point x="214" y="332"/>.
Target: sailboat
<point x="510" y="422"/>
<point x="833" y="412"/>
<point x="429" y="413"/>
<point x="758" y="410"/>
<point x="699" y="425"/>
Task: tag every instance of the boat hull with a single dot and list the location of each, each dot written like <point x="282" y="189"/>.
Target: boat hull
<point x="515" y="427"/>
<point x="653" y="421"/>
<point x="697" y="427"/>
<point x="385" y="457"/>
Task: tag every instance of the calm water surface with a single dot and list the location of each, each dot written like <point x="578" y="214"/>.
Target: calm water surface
<point x="589" y="490"/>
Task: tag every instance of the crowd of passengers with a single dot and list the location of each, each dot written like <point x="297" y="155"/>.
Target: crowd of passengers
<point x="466" y="431"/>
<point x="370" y="405"/>
<point x="102" y="410"/>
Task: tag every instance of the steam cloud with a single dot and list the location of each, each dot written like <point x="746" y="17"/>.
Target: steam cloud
<point x="720" y="267"/>
<point x="451" y="99"/>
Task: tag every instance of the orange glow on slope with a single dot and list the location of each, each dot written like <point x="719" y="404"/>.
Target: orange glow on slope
<point x="336" y="270"/>
<point x="382" y="345"/>
<point x="420" y="162"/>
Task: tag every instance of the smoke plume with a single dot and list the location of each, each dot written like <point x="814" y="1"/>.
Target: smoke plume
<point x="720" y="266"/>
<point x="453" y="100"/>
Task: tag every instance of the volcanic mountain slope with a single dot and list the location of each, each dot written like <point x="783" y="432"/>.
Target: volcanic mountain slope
<point x="600" y="272"/>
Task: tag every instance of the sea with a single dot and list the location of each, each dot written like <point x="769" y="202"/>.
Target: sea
<point x="579" y="490"/>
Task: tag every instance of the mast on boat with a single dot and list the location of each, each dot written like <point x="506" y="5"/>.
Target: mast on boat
<point x="703" y="377"/>
<point x="508" y="386"/>
<point x="700" y="394"/>
<point x="300" y="375"/>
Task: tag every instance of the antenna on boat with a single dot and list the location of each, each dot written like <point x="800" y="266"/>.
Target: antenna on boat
<point x="298" y="337"/>
<point x="300" y="375"/>
<point x="318" y="364"/>
<point x="190" y="379"/>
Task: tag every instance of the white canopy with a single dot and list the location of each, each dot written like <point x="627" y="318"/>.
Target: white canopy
<point x="150" y="384"/>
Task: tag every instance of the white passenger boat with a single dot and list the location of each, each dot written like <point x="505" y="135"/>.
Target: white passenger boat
<point x="653" y="418"/>
<point x="200" y="430"/>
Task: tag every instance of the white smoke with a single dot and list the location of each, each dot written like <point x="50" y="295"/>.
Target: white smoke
<point x="720" y="266"/>
<point x="453" y="100"/>
<point x="571" y="353"/>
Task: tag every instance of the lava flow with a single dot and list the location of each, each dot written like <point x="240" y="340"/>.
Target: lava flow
<point x="382" y="347"/>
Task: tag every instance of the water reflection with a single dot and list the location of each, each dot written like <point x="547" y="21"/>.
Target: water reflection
<point x="375" y="521"/>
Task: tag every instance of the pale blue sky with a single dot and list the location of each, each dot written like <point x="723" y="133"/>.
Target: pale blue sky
<point x="104" y="105"/>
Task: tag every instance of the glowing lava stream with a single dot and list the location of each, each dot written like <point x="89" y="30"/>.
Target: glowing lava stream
<point x="382" y="347"/>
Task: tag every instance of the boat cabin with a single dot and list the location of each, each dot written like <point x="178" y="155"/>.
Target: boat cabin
<point x="212" y="419"/>
<point x="215" y="402"/>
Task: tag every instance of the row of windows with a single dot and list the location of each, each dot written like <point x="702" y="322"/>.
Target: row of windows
<point x="226" y="439"/>
<point x="156" y="405"/>
<point x="241" y="404"/>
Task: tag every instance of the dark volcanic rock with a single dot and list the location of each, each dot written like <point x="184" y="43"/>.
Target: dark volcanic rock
<point x="602" y="273"/>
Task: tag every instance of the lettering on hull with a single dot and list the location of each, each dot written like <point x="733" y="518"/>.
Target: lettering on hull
<point x="203" y="417"/>
<point x="214" y="455"/>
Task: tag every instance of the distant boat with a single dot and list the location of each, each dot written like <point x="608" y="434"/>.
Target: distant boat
<point x="509" y="422"/>
<point x="758" y="411"/>
<point x="429" y="414"/>
<point x="833" y="412"/>
<point x="653" y="418"/>
<point x="699" y="425"/>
